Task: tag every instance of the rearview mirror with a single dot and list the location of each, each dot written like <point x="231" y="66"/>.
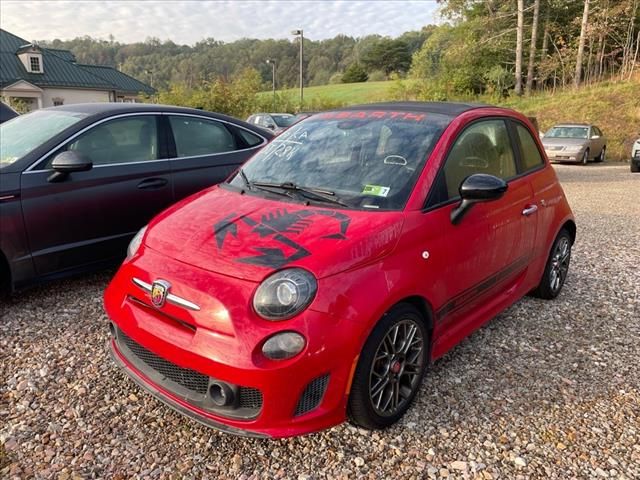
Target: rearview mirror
<point x="67" y="162"/>
<point x="476" y="188"/>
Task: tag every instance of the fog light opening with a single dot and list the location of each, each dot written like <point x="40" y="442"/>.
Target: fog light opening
<point x="221" y="394"/>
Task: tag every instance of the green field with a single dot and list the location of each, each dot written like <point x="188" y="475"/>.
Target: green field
<point x="613" y="106"/>
<point x="347" y="93"/>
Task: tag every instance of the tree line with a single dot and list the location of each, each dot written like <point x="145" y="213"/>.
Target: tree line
<point x="485" y="47"/>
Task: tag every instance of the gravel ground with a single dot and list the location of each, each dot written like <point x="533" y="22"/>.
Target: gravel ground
<point x="546" y="390"/>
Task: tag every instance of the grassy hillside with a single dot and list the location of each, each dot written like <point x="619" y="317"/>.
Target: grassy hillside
<point x="614" y="107"/>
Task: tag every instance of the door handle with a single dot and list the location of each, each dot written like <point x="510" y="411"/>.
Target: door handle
<point x="152" y="183"/>
<point x="530" y="210"/>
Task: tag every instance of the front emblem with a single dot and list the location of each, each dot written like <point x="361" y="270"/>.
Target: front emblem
<point x="159" y="292"/>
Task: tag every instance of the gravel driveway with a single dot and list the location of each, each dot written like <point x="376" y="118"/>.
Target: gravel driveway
<point x="546" y="390"/>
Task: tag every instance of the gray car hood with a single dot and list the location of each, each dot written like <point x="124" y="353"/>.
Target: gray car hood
<point x="549" y="142"/>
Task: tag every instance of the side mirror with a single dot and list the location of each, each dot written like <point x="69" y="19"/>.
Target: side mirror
<point x="476" y="188"/>
<point x="594" y="137"/>
<point x="67" y="162"/>
<point x="271" y="126"/>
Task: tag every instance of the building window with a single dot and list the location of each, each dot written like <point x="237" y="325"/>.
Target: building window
<point x="34" y="62"/>
<point x="58" y="101"/>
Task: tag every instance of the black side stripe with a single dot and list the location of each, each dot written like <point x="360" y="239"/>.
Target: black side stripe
<point x="469" y="295"/>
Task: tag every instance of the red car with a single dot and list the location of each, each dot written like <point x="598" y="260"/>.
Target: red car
<point x="320" y="281"/>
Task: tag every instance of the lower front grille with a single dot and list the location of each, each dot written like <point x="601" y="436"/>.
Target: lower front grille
<point x="189" y="379"/>
<point x="312" y="395"/>
<point x="189" y="384"/>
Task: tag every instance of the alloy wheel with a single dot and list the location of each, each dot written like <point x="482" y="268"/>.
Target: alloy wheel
<point x="560" y="264"/>
<point x="396" y="368"/>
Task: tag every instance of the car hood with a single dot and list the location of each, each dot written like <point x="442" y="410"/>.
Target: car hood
<point x="249" y="237"/>
<point x="563" y="142"/>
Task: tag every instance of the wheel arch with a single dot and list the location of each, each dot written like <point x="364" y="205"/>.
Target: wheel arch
<point x="570" y="226"/>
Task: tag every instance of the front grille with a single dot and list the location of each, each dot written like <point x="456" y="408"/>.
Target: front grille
<point x="312" y="395"/>
<point x="189" y="384"/>
<point x="190" y="379"/>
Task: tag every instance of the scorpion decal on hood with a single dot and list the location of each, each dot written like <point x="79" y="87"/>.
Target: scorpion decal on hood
<point x="279" y="225"/>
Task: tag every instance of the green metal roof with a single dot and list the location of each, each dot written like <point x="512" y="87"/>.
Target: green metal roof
<point x="60" y="70"/>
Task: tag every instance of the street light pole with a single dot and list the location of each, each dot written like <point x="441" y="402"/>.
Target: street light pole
<point x="301" y="34"/>
<point x="273" y="81"/>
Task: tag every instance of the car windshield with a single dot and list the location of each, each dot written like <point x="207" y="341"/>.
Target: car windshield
<point x="567" y="132"/>
<point x="360" y="159"/>
<point x="284" y="120"/>
<point x="26" y="132"/>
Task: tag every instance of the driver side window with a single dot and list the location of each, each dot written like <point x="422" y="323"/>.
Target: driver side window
<point x="484" y="147"/>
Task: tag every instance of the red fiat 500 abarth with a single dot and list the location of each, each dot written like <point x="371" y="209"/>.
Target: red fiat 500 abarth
<point x="320" y="281"/>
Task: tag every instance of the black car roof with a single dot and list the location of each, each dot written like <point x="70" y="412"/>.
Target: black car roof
<point x="446" y="108"/>
<point x="113" y="108"/>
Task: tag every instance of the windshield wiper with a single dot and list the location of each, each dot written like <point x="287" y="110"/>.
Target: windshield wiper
<point x="318" y="193"/>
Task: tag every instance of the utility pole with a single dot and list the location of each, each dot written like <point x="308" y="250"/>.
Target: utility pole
<point x="273" y="80"/>
<point x="300" y="33"/>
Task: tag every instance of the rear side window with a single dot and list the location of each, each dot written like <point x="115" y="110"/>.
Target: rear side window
<point x="531" y="157"/>
<point x="484" y="147"/>
<point x="249" y="138"/>
<point x="197" y="136"/>
<point x="123" y="140"/>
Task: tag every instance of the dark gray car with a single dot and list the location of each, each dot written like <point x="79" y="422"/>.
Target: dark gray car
<point x="78" y="181"/>
<point x="575" y="142"/>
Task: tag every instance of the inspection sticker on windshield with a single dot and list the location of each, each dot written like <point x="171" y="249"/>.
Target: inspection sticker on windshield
<point x="376" y="190"/>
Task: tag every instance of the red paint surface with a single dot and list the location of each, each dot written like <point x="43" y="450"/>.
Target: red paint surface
<point x="379" y="263"/>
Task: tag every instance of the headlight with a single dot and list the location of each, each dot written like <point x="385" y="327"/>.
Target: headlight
<point x="135" y="243"/>
<point x="284" y="294"/>
<point x="283" y="345"/>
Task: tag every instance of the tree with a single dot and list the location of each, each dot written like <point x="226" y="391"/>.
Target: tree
<point x="583" y="34"/>
<point x="354" y="74"/>
<point x="532" y="47"/>
<point x="387" y="55"/>
<point x="519" y="34"/>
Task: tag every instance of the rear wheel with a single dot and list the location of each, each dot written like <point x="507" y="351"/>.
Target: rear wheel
<point x="390" y="369"/>
<point x="602" y="156"/>
<point x="635" y="167"/>
<point x="585" y="157"/>
<point x="556" y="269"/>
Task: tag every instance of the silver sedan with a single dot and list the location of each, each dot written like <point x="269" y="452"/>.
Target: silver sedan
<point x="575" y="142"/>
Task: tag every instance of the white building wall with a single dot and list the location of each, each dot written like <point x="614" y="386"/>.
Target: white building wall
<point x="70" y="96"/>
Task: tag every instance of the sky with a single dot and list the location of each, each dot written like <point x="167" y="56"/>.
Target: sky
<point x="188" y="21"/>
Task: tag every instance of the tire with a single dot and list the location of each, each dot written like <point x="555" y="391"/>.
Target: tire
<point x="556" y="269"/>
<point x="384" y="374"/>
<point x="635" y="168"/>
<point x="603" y="154"/>
<point x="585" y="157"/>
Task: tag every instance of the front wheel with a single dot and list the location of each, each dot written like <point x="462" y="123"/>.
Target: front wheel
<point x="390" y="369"/>
<point x="585" y="157"/>
<point x="556" y="269"/>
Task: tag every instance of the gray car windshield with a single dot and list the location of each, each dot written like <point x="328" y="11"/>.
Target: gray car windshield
<point x="567" y="132"/>
<point x="357" y="159"/>
<point x="23" y="134"/>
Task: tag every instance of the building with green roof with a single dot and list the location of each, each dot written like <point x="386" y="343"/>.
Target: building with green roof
<point x="32" y="76"/>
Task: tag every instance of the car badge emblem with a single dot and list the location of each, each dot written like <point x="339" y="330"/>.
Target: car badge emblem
<point x="159" y="292"/>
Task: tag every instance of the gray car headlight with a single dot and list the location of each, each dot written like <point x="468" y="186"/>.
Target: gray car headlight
<point x="135" y="242"/>
<point x="285" y="294"/>
<point x="573" y="148"/>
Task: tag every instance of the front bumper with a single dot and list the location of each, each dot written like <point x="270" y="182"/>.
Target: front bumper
<point x="222" y="342"/>
<point x="562" y="156"/>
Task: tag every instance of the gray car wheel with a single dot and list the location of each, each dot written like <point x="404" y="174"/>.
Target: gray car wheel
<point x="585" y="157"/>
<point x="602" y="156"/>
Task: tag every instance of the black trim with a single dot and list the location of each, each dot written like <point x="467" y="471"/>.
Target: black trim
<point x="472" y="293"/>
<point x="115" y="355"/>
